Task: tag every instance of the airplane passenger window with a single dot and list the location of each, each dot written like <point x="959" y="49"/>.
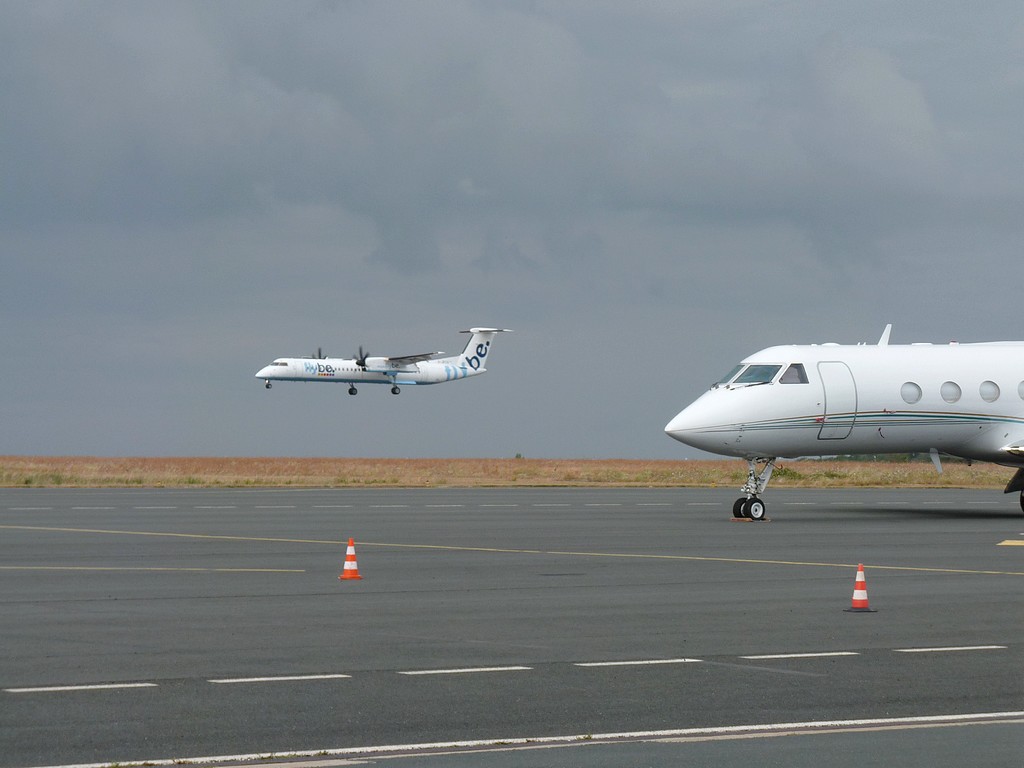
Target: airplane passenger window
<point x="910" y="392"/>
<point x="795" y="374"/>
<point x="950" y="391"/>
<point x="758" y="374"/>
<point x="989" y="391"/>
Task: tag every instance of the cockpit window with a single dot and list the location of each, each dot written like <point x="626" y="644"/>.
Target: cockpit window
<point x="758" y="374"/>
<point x="795" y="374"/>
<point x="729" y="376"/>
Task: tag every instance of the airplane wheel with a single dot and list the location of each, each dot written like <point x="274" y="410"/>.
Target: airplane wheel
<point x="352" y="390"/>
<point x="395" y="390"/>
<point x="268" y="385"/>
<point x="737" y="507"/>
<point x="755" y="509"/>
<point x="1022" y="501"/>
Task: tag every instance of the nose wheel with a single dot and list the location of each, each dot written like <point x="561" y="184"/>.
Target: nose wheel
<point x="395" y="390"/>
<point x="750" y="505"/>
<point x="753" y="508"/>
<point x="353" y="391"/>
<point x="268" y="385"/>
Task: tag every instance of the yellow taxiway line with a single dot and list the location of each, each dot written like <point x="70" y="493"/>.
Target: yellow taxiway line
<point x="449" y="548"/>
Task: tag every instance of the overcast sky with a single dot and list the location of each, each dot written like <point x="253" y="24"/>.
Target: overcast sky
<point x="644" y="192"/>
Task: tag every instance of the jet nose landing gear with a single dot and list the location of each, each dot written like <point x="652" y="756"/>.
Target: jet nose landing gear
<point x="750" y="506"/>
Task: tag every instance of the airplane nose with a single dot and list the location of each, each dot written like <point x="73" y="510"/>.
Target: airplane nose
<point x="692" y="426"/>
<point x="264" y="372"/>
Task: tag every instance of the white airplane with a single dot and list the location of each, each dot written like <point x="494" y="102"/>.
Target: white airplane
<point x="963" y="400"/>
<point x="429" y="368"/>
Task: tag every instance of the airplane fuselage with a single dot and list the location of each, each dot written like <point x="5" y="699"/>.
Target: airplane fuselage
<point x="348" y="371"/>
<point x="965" y="400"/>
<point x="429" y="368"/>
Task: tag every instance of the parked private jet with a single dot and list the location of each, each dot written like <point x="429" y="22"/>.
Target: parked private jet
<point x="429" y="368"/>
<point x="963" y="400"/>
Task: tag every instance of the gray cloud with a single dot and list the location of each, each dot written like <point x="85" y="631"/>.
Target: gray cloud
<point x="644" y="192"/>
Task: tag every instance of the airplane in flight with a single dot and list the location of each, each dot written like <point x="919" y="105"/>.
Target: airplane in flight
<point x="429" y="368"/>
<point x="962" y="400"/>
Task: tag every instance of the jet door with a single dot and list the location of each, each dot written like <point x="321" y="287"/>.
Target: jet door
<point x="840" y="392"/>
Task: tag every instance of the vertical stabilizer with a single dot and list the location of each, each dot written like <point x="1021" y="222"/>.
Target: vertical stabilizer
<point x="475" y="355"/>
<point x="884" y="341"/>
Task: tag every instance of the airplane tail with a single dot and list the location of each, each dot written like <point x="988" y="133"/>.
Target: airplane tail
<point x="479" y="347"/>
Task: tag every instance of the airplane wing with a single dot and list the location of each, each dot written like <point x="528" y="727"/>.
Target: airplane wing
<point x="410" y="359"/>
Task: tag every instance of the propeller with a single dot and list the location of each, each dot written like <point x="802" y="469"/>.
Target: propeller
<point x="361" y="358"/>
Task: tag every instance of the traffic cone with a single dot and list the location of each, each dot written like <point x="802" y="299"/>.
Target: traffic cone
<point x="860" y="594"/>
<point x="351" y="570"/>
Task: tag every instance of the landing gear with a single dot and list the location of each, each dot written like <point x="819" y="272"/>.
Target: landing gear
<point x="395" y="390"/>
<point x="268" y="385"/>
<point x="750" y="505"/>
<point x="353" y="391"/>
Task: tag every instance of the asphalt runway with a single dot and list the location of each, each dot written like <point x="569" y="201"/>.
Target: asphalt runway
<point x="511" y="627"/>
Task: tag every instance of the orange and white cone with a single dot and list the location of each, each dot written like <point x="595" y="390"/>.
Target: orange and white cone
<point x="860" y="594"/>
<point x="351" y="570"/>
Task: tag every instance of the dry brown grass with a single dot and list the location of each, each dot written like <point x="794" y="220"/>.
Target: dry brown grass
<point x="86" y="471"/>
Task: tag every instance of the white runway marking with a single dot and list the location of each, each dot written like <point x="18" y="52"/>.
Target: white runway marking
<point x="275" y="506"/>
<point x="154" y="507"/>
<point x="514" y="742"/>
<point x="465" y="671"/>
<point x="951" y="648"/>
<point x="95" y="687"/>
<point x="703" y="504"/>
<point x="655" y="504"/>
<point x="499" y="505"/>
<point x="217" y="506"/>
<point x="280" y="679"/>
<point x="90" y="508"/>
<point x="332" y="506"/>
<point x="441" y="506"/>
<point x="602" y="505"/>
<point x="29" y="509"/>
<point x="642" y="662"/>
<point x="801" y="655"/>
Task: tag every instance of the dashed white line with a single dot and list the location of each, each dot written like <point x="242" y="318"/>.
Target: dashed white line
<point x="154" y="507"/>
<point x="499" y="505"/>
<point x="441" y="506"/>
<point x="94" y="687"/>
<point x="332" y="506"/>
<point x="703" y="504"/>
<point x="216" y="506"/>
<point x="801" y="655"/>
<point x="655" y="504"/>
<point x="602" y="505"/>
<point x="275" y="506"/>
<point x="550" y="505"/>
<point x="29" y="509"/>
<point x="640" y="663"/>
<point x="279" y="679"/>
<point x="467" y="670"/>
<point x="84" y="508"/>
<point x="951" y="648"/>
<point x="389" y="506"/>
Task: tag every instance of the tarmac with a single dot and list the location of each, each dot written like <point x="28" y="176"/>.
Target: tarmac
<point x="510" y="627"/>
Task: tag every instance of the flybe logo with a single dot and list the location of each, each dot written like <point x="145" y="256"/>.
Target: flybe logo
<point x="320" y="369"/>
<point x="476" y="360"/>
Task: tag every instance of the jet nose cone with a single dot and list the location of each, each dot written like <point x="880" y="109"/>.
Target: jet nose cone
<point x="264" y="372"/>
<point x="695" y="425"/>
<point x="680" y="423"/>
